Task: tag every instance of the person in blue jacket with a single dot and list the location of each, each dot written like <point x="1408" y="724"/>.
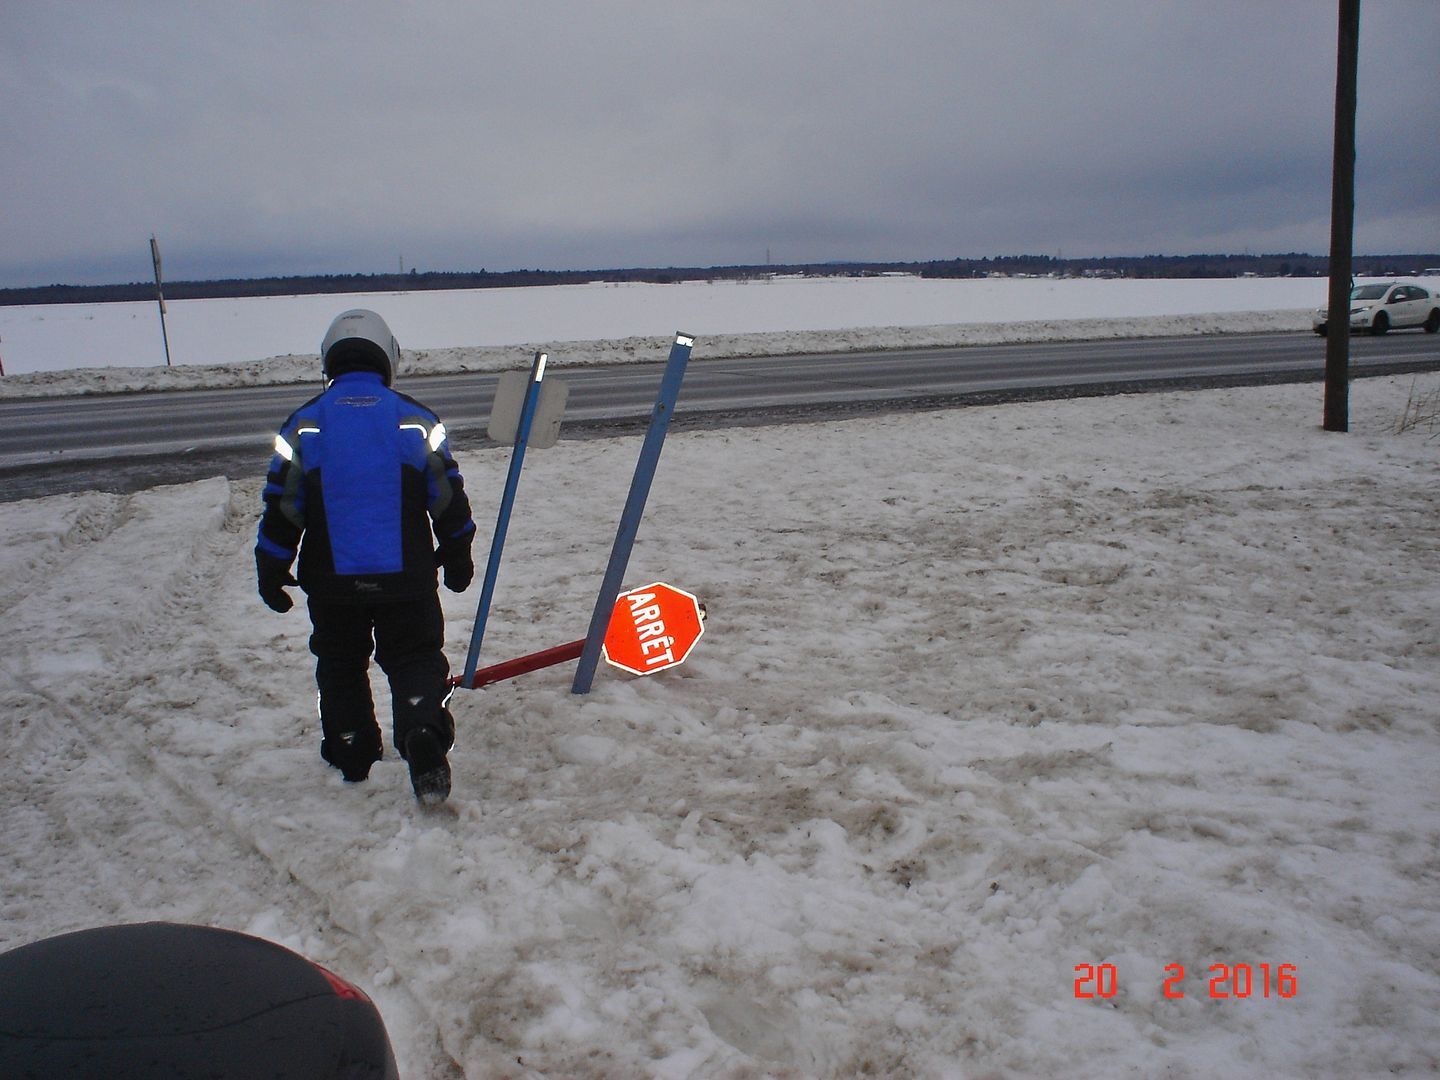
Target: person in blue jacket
<point x="363" y="485"/>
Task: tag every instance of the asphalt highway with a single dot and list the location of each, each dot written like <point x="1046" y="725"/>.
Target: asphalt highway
<point x="49" y="444"/>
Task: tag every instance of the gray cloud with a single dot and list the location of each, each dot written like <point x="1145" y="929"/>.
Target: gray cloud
<point x="281" y="138"/>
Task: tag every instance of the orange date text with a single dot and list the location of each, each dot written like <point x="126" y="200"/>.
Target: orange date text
<point x="1221" y="981"/>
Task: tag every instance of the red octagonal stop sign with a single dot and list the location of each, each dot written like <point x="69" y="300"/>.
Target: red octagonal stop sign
<point x="653" y="628"/>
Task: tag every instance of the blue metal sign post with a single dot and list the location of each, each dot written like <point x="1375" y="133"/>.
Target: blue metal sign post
<point x="634" y="509"/>
<point x="502" y="521"/>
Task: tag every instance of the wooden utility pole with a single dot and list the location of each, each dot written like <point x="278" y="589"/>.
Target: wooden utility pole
<point x="1342" y="223"/>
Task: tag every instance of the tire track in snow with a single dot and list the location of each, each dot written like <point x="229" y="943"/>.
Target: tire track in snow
<point x="85" y="520"/>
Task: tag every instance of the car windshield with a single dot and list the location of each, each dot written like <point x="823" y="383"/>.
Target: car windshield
<point x="1368" y="292"/>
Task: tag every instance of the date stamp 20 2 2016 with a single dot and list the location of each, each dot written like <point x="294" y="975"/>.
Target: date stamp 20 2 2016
<point x="1225" y="981"/>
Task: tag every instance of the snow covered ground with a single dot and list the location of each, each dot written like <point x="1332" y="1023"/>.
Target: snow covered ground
<point x="89" y="348"/>
<point x="985" y="695"/>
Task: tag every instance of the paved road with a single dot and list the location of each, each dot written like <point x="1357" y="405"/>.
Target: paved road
<point x="82" y="434"/>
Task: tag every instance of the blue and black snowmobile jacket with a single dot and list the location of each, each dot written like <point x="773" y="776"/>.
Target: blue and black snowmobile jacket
<point x="364" y="475"/>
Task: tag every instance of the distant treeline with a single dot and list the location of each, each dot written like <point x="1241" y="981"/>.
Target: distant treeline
<point x="1146" y="266"/>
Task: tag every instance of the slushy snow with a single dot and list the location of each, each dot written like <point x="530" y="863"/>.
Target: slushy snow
<point x="985" y="695"/>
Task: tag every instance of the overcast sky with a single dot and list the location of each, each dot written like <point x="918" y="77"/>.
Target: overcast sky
<point x="300" y="137"/>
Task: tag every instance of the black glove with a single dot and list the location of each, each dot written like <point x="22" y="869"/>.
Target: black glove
<point x="274" y="575"/>
<point x="458" y="567"/>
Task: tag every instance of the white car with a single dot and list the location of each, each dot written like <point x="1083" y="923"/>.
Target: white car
<point x="1386" y="305"/>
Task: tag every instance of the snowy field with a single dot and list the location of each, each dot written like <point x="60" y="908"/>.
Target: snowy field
<point x="985" y="695"/>
<point x="86" y="348"/>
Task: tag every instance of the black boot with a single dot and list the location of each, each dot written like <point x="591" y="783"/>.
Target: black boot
<point x="429" y="771"/>
<point x="352" y="753"/>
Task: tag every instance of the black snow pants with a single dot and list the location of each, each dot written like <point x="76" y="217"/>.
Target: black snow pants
<point x="408" y="639"/>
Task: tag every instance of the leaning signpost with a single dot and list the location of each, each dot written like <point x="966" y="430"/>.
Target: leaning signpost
<point x="641" y="631"/>
<point x="512" y="417"/>
<point x="634" y="509"/>
<point x="160" y="296"/>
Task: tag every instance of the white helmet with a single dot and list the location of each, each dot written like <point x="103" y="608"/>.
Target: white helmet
<point x="359" y="340"/>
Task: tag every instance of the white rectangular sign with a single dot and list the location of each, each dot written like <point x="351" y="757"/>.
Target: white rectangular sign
<point x="504" y="424"/>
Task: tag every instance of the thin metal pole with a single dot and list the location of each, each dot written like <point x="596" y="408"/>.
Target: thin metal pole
<point x="634" y="509"/>
<point x="502" y="520"/>
<point x="1342" y="223"/>
<point x="160" y="297"/>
